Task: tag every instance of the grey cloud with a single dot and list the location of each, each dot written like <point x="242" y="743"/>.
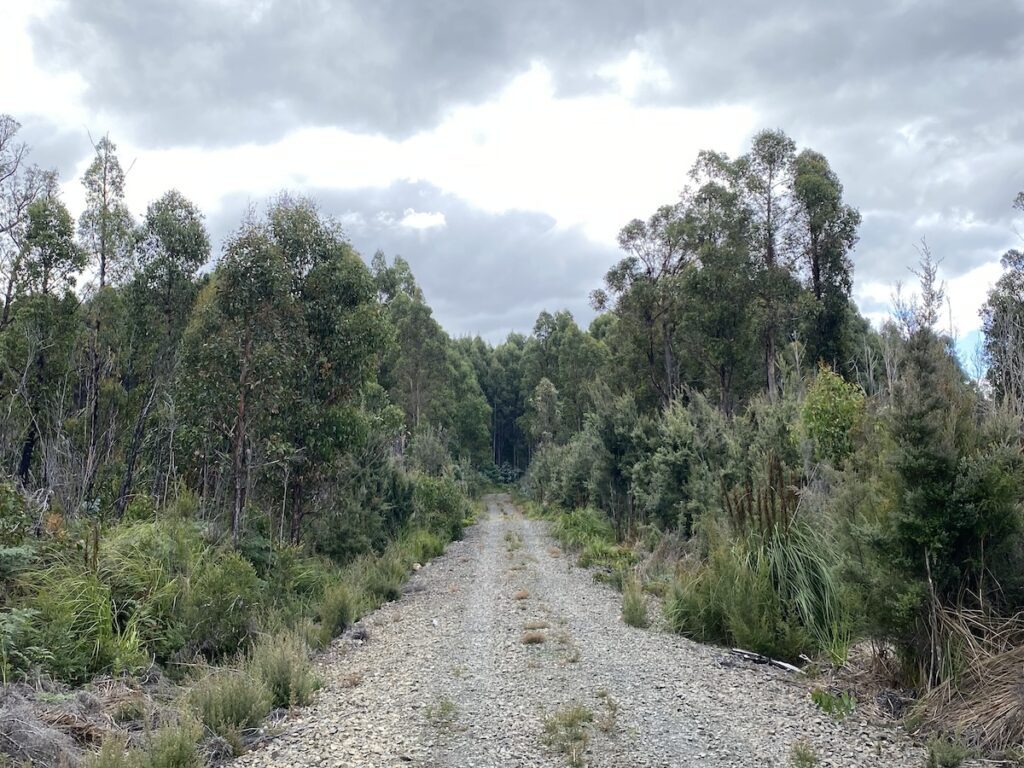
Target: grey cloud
<point x="843" y="78"/>
<point x="482" y="273"/>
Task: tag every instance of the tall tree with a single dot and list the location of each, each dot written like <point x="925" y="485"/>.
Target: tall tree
<point x="105" y="228"/>
<point x="21" y="183"/>
<point x="827" y="232"/>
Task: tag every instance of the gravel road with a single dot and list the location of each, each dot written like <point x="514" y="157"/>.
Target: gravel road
<point x="444" y="679"/>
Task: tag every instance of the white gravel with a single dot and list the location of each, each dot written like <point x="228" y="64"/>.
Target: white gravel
<point x="444" y="680"/>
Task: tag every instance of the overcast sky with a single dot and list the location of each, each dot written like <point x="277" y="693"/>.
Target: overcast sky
<point x="499" y="145"/>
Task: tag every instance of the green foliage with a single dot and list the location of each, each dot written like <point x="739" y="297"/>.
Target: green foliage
<point x="803" y="755"/>
<point x="837" y="704"/>
<point x="221" y="605"/>
<point x="832" y="409"/>
<point x="337" y="610"/>
<point x="281" y="663"/>
<point x="173" y="746"/>
<point x="779" y="596"/>
<point x="634" y="606"/>
<point x="440" y="506"/>
<point x="565" y="730"/>
<point x="228" y="703"/>
<point x="944" y="752"/>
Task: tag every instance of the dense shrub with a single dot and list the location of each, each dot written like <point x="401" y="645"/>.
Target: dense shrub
<point x="440" y="506"/>
<point x="222" y="605"/>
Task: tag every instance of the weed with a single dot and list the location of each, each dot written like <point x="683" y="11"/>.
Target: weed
<point x="282" y="663"/>
<point x="442" y="714"/>
<point x="513" y="541"/>
<point x="532" y="638"/>
<point x="521" y="594"/>
<point x="536" y="624"/>
<point x="566" y="731"/>
<point x="839" y="705"/>
<point x="634" y="607"/>
<point x="606" y="718"/>
<point x="946" y="753"/>
<point x="802" y="755"/>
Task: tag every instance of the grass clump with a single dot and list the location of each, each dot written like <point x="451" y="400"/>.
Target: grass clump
<point x="337" y="611"/>
<point x="566" y="731"/>
<point x="634" y="607"/>
<point x="281" y="662"/>
<point x="802" y="755"/>
<point x="775" y="594"/>
<point x="443" y="713"/>
<point x="536" y="624"/>
<point x="607" y="717"/>
<point x="532" y="637"/>
<point x="384" y="577"/>
<point x="521" y="594"/>
<point x="423" y="545"/>
<point x="944" y="752"/>
<point x="229" y="703"/>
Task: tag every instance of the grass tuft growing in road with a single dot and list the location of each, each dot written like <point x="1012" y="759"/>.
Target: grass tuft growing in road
<point x="565" y="731"/>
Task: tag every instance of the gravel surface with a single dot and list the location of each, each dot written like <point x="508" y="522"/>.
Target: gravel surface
<point x="444" y="679"/>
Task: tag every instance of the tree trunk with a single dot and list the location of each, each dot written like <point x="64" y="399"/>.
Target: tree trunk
<point x="133" y="454"/>
<point x="238" y="443"/>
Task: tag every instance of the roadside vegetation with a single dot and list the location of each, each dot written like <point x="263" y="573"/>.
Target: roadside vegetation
<point x="731" y="436"/>
<point x="206" y="474"/>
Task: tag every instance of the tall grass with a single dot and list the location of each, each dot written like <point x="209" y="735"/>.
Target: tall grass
<point x="775" y="593"/>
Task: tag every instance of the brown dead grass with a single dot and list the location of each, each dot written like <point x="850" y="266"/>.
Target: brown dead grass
<point x="554" y="552"/>
<point x="521" y="594"/>
<point x="532" y="638"/>
<point x="536" y="624"/>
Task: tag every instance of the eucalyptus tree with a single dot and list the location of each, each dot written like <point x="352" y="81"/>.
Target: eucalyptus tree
<point x="44" y="325"/>
<point x="170" y="246"/>
<point x="21" y="184"/>
<point x="643" y="289"/>
<point x="826" y="232"/>
<point x="105" y="229"/>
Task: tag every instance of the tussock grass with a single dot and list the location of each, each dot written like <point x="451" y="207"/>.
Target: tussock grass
<point x="520" y="594"/>
<point x="802" y="755"/>
<point x="634" y="607"/>
<point x="337" y="611"/>
<point x="534" y="637"/>
<point x="536" y="624"/>
<point x="565" y="731"/>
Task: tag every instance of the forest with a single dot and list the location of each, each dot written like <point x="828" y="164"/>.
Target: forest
<point x="218" y="462"/>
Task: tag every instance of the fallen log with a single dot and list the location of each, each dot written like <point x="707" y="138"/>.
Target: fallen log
<point x="760" y="658"/>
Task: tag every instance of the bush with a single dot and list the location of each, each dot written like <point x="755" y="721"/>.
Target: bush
<point x="383" y="578"/>
<point x="281" y="663"/>
<point x="440" y="506"/>
<point x="337" y="611"/>
<point x="230" y="702"/>
<point x="222" y="605"/>
<point x="634" y="607"/>
<point x="422" y="545"/>
<point x="173" y="746"/>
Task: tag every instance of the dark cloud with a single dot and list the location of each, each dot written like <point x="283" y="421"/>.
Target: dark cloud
<point x="482" y="273"/>
<point x="913" y="101"/>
